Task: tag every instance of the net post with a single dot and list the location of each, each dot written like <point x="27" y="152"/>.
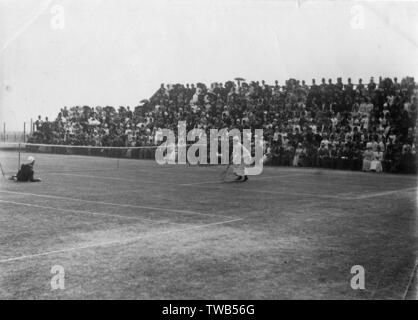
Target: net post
<point x="24" y="131"/>
<point x="18" y="161"/>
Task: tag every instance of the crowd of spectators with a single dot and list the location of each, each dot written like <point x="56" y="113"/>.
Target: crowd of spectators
<point x="359" y="126"/>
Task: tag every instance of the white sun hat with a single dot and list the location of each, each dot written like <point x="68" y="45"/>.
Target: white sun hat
<point x="31" y="159"/>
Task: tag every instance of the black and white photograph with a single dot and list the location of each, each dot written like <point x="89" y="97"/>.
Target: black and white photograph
<point x="222" y="151"/>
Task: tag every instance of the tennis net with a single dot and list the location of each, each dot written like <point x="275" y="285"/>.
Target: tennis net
<point x="61" y="158"/>
<point x="146" y="152"/>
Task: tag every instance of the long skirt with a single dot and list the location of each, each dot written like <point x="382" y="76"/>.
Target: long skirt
<point x="239" y="169"/>
<point x="296" y="160"/>
<point x="376" y="165"/>
<point x="366" y="165"/>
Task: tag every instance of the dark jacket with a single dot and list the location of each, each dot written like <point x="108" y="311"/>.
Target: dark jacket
<point x="25" y="173"/>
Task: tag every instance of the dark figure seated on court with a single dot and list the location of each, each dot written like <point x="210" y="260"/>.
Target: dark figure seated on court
<point x="25" y="174"/>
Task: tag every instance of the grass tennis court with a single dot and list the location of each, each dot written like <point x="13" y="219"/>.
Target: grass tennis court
<point x="136" y="230"/>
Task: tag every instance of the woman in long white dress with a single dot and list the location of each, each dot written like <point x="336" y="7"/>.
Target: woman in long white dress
<point x="298" y="153"/>
<point x="376" y="164"/>
<point x="367" y="157"/>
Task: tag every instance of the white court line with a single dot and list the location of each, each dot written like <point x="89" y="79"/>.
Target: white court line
<point x="327" y="182"/>
<point x="329" y="196"/>
<point x="139" y="180"/>
<point x="90" y="212"/>
<point x="199" y="183"/>
<point x="352" y="174"/>
<point x="255" y="179"/>
<point x="114" y="242"/>
<point x="411" y="280"/>
<point x="106" y="169"/>
<point x="117" y="204"/>
<point x="380" y="194"/>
